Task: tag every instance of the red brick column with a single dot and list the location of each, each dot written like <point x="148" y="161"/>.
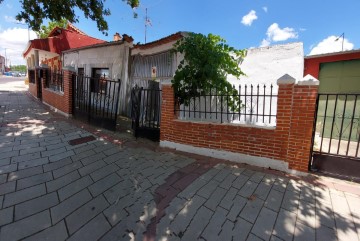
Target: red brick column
<point x="68" y="90"/>
<point x="302" y="121"/>
<point x="167" y="111"/>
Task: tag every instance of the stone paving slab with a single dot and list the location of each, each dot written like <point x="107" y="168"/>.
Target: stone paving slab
<point x="98" y="190"/>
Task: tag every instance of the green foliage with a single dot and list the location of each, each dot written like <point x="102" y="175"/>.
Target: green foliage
<point x="207" y="62"/>
<point x="45" y="30"/>
<point x="20" y="68"/>
<point x="35" y="11"/>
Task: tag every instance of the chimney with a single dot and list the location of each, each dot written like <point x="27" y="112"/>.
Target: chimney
<point x="117" y="37"/>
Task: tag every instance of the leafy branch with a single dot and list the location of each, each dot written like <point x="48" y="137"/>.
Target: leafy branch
<point x="207" y="62"/>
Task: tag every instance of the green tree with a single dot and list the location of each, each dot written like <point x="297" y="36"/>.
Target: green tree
<point x="45" y="30"/>
<point x="35" y="11"/>
<point x="207" y="62"/>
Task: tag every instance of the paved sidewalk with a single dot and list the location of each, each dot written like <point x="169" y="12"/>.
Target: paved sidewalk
<point x="59" y="183"/>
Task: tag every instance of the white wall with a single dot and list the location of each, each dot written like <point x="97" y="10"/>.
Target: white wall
<point x="266" y="64"/>
<point x="113" y="57"/>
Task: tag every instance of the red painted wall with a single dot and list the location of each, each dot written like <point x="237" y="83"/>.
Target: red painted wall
<point x="312" y="64"/>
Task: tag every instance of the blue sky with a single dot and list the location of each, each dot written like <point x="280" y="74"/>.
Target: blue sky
<point x="243" y="23"/>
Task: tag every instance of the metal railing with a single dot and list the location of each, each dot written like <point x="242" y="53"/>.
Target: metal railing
<point x="251" y="105"/>
<point x="337" y="130"/>
<point x="54" y="81"/>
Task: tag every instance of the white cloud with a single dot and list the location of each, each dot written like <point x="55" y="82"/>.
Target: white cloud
<point x="9" y="19"/>
<point x="330" y="45"/>
<point x="275" y="33"/>
<point x="9" y="6"/>
<point x="14" y="40"/>
<point x="302" y="29"/>
<point x="265" y="9"/>
<point x="264" y="43"/>
<point x="249" y="18"/>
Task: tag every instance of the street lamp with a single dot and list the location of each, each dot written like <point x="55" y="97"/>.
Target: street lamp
<point x="342" y="44"/>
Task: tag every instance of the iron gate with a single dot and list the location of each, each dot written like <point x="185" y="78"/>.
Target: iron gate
<point x="96" y="100"/>
<point x="145" y="112"/>
<point x="336" y="135"/>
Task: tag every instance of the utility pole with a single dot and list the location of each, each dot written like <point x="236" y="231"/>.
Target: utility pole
<point x="146" y="20"/>
<point x="5" y="59"/>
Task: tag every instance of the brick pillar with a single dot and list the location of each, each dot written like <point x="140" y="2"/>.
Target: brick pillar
<point x="284" y="111"/>
<point x="68" y="75"/>
<point x="167" y="111"/>
<point x="302" y="121"/>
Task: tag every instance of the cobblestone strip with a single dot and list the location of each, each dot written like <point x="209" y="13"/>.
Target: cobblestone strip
<point x="175" y="184"/>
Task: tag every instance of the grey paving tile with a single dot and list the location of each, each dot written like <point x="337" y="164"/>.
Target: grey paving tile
<point x="91" y="167"/>
<point x="226" y="232"/>
<point x="26" y="227"/>
<point x="252" y="209"/>
<point x="85" y="213"/>
<point x="66" y="207"/>
<point x="104" y="184"/>
<point x="253" y="237"/>
<point x="306" y="214"/>
<point x="227" y="201"/>
<point x="91" y="158"/>
<point x="6" y="215"/>
<point x="215" y="198"/>
<point x="9" y="154"/>
<point x="274" y="200"/>
<point x="8" y="168"/>
<point x="325" y="233"/>
<point x="213" y="229"/>
<point x="220" y="176"/>
<point x="291" y="201"/>
<point x="7" y="187"/>
<point x="32" y="150"/>
<point x="24" y="173"/>
<point x="303" y="232"/>
<point x="4" y="161"/>
<point x="197" y="224"/>
<point x="184" y="217"/>
<point x="248" y="189"/>
<point x="264" y="224"/>
<point x="54" y="233"/>
<point x="24" y="195"/>
<point x="66" y="169"/>
<point x="262" y="190"/>
<point x="74" y="187"/>
<point x="56" y="165"/>
<point x="3" y="178"/>
<point x="62" y="181"/>
<point x="238" y="204"/>
<point x="93" y="230"/>
<point x="61" y="156"/>
<point x="324" y="214"/>
<point x="240" y="181"/>
<point x="26" y="157"/>
<point x="35" y="205"/>
<point x="241" y="230"/>
<point x="285" y="225"/>
<point x="33" y="163"/>
<point x="33" y="180"/>
<point x="208" y="189"/>
<point x="257" y="177"/>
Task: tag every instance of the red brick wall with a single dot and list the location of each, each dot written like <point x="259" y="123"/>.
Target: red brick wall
<point x="289" y="141"/>
<point x="33" y="89"/>
<point x="58" y="100"/>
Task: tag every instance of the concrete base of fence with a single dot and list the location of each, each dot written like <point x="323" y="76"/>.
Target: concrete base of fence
<point x="234" y="157"/>
<point x="56" y="110"/>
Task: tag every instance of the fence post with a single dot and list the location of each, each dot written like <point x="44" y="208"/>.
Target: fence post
<point x="68" y="74"/>
<point x="302" y="123"/>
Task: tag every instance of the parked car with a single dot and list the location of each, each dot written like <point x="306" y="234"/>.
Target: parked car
<point x="22" y="74"/>
<point x="16" y="74"/>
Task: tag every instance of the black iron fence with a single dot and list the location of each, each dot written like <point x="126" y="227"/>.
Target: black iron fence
<point x="31" y="76"/>
<point x="96" y="100"/>
<point x="54" y="80"/>
<point x="337" y="130"/>
<point x="251" y="105"/>
<point x="146" y="111"/>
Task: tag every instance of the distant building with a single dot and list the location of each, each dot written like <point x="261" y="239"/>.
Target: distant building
<point x="2" y="64"/>
<point x="47" y="51"/>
